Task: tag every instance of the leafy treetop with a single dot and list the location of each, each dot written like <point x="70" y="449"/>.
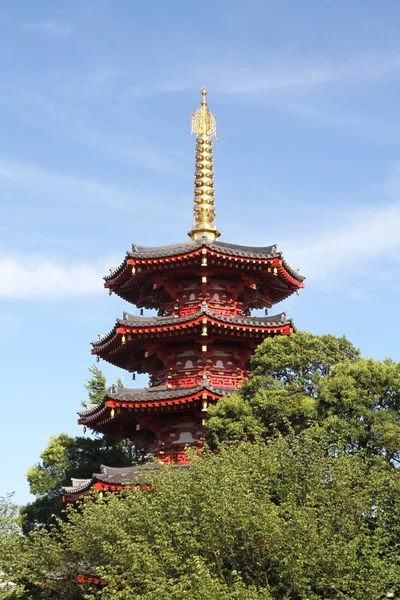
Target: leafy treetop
<point x="308" y="381"/>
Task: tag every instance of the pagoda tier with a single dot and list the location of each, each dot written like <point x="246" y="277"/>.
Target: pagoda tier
<point x="160" y="420"/>
<point x="231" y="278"/>
<point x="180" y="351"/>
<point x="112" y="479"/>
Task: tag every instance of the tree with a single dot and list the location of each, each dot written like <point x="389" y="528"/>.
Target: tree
<point x="302" y="502"/>
<point x="306" y="381"/>
<point x="9" y="533"/>
<point x="258" y="521"/>
<point x="96" y="385"/>
<point x="66" y="457"/>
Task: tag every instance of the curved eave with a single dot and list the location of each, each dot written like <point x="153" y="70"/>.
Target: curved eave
<point x="120" y="478"/>
<point x="178" y="397"/>
<point x="126" y="327"/>
<point x="164" y="256"/>
<point x="105" y="414"/>
<point x="290" y="275"/>
<point x="71" y="494"/>
<point x="121" y="273"/>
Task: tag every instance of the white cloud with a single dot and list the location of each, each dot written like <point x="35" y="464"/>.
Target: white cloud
<point x="26" y="276"/>
<point x="368" y="235"/>
<point x="29" y="276"/>
<point x="54" y="28"/>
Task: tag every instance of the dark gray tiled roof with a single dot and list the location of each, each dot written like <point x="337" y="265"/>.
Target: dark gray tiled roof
<point x="136" y="321"/>
<point x="270" y="320"/>
<point x="118" y="475"/>
<point x="137" y="474"/>
<point x="161" y="251"/>
<point x="161" y="392"/>
<point x="78" y="484"/>
<point x="153" y="394"/>
<point x="244" y="251"/>
<point x="75" y="489"/>
<point x="142" y="252"/>
<point x="223" y="247"/>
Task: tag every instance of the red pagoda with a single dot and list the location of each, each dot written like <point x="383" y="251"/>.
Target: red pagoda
<point x="197" y="349"/>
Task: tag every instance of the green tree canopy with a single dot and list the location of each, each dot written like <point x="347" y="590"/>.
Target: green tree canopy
<point x="300" y="502"/>
<point x="259" y="521"/>
<point x="9" y="545"/>
<point x="66" y="457"/>
<point x="306" y="380"/>
<point x="96" y="385"/>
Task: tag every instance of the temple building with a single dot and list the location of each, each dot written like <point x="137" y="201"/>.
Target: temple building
<point x="197" y="348"/>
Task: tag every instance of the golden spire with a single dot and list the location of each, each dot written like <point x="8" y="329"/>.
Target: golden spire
<point x="205" y="125"/>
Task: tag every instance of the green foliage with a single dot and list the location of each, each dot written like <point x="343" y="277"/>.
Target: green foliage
<point x="9" y="535"/>
<point x="8" y="517"/>
<point x="259" y="521"/>
<point x="46" y="477"/>
<point x="64" y="458"/>
<point x="68" y="457"/>
<point x="307" y="380"/>
<point x="300" y="502"/>
<point x="96" y="385"/>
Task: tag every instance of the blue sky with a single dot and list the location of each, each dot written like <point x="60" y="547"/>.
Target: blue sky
<point x="95" y="154"/>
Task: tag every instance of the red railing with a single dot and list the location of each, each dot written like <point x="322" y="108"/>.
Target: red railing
<point x="176" y="457"/>
<point x="186" y="309"/>
<point x="195" y="376"/>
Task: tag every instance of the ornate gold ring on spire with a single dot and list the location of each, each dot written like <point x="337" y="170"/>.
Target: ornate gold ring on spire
<point x="205" y="125"/>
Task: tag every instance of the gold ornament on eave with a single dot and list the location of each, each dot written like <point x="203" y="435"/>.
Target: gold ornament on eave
<point x="204" y="124"/>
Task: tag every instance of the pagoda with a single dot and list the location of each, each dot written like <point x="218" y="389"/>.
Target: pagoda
<point x="197" y="347"/>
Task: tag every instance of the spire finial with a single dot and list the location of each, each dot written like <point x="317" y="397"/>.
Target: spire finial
<point x="205" y="125"/>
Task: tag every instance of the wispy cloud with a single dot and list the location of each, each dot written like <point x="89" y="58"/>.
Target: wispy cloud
<point x="309" y="112"/>
<point x="8" y="318"/>
<point x="102" y="75"/>
<point x="67" y="122"/>
<point x="274" y="75"/>
<point x="71" y="189"/>
<point x="298" y="86"/>
<point x="366" y="236"/>
<point x="295" y="85"/>
<point x="131" y="149"/>
<point x="25" y="276"/>
<point x="55" y="29"/>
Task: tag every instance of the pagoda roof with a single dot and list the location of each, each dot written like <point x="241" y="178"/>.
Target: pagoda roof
<point x="148" y="396"/>
<point x="115" y="476"/>
<point x="192" y="246"/>
<point x="217" y="246"/>
<point x="139" y="322"/>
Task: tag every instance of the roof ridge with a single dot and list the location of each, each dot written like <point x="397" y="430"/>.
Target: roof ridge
<point x="141" y="320"/>
<point x="169" y="392"/>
